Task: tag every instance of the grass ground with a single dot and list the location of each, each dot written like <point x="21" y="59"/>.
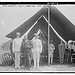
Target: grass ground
<point x="44" y="68"/>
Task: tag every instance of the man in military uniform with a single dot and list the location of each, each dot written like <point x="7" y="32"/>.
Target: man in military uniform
<point x="70" y="45"/>
<point x="61" y="48"/>
<point x="16" y="49"/>
<point x="51" y="51"/>
<point x="27" y="53"/>
<point x="70" y="48"/>
<point x="37" y="50"/>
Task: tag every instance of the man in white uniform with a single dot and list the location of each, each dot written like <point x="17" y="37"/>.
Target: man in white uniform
<point x="61" y="48"/>
<point x="16" y="49"/>
<point x="70" y="44"/>
<point x="70" y="47"/>
<point x="51" y="51"/>
<point x="37" y="50"/>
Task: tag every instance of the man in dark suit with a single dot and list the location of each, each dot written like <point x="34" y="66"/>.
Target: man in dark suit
<point x="27" y="53"/>
<point x="61" y="48"/>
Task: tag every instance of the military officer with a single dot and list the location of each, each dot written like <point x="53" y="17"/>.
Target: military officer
<point x="16" y="49"/>
<point x="61" y="48"/>
<point x="70" y="47"/>
<point x="36" y="50"/>
<point x="51" y="51"/>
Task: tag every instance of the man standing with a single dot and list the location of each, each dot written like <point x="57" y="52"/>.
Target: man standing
<point x="27" y="53"/>
<point x="70" y="47"/>
<point x="37" y="49"/>
<point x="61" y="48"/>
<point x="16" y="49"/>
<point x="51" y="51"/>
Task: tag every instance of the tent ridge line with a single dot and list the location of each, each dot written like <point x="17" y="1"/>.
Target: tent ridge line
<point x="54" y="30"/>
<point x="32" y="26"/>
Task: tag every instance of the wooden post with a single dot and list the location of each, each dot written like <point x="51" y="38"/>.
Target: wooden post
<point x="48" y="30"/>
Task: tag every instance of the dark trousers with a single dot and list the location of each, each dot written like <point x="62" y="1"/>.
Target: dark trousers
<point x="27" y="60"/>
<point x="61" y="56"/>
<point x="67" y="56"/>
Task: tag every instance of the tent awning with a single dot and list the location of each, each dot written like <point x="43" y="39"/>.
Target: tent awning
<point x="58" y="21"/>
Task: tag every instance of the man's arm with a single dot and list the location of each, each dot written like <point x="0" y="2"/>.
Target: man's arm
<point x="13" y="46"/>
<point x="54" y="47"/>
<point x="32" y="41"/>
<point x="40" y="46"/>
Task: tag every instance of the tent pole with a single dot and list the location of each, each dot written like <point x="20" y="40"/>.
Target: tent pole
<point x="48" y="30"/>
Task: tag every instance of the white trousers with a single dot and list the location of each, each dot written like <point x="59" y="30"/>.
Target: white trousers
<point x="51" y="58"/>
<point x="17" y="59"/>
<point x="36" y="58"/>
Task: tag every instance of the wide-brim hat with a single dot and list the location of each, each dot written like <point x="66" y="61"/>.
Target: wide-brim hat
<point x="18" y="33"/>
<point x="36" y="35"/>
<point x="70" y="41"/>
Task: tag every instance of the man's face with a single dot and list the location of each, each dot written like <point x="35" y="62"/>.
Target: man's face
<point x="18" y="36"/>
<point x="50" y="41"/>
<point x="35" y="36"/>
<point x="61" y="42"/>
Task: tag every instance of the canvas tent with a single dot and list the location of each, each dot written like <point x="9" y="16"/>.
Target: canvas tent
<point x="58" y="21"/>
<point x="4" y="44"/>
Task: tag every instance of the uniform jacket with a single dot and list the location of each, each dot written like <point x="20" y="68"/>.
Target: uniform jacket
<point x="61" y="48"/>
<point x="26" y="46"/>
<point x="16" y="44"/>
<point x="51" y="48"/>
<point x="37" y="45"/>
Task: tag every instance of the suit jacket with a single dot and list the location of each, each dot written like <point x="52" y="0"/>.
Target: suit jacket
<point x="26" y="48"/>
<point x="37" y="45"/>
<point x="61" y="48"/>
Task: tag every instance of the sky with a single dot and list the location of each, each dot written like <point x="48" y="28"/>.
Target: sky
<point x="68" y="11"/>
<point x="13" y="16"/>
